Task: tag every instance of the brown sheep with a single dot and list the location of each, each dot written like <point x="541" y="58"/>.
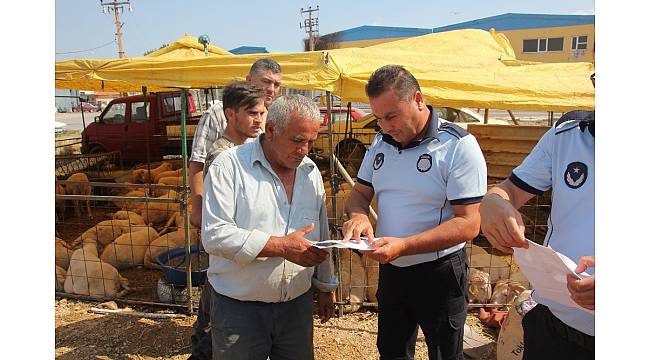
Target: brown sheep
<point x="88" y="275"/>
<point x="128" y="249"/>
<point x="129" y="204"/>
<point x="163" y="174"/>
<point x="177" y="219"/>
<point x="372" y="277"/>
<point x="175" y="239"/>
<point x="157" y="213"/>
<point x="144" y="176"/>
<point x="79" y="189"/>
<point x="104" y="232"/>
<point x="171" y="180"/>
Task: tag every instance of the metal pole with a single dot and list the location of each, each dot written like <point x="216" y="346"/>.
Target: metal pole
<point x="186" y="219"/>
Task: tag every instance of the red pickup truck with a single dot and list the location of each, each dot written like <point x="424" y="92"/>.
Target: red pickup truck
<point x="131" y="125"/>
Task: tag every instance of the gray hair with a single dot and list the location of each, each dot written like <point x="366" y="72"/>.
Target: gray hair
<point x="265" y="64"/>
<point x="284" y="107"/>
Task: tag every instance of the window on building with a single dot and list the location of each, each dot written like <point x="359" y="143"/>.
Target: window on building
<point x="555" y="44"/>
<point x="543" y="45"/>
<point x="579" y="42"/>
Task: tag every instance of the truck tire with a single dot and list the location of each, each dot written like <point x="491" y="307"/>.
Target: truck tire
<point x="96" y="149"/>
<point x="350" y="153"/>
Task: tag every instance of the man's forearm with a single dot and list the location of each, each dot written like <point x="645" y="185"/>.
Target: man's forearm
<point x="274" y="247"/>
<point x="357" y="204"/>
<point x="196" y="184"/>
<point x="452" y="232"/>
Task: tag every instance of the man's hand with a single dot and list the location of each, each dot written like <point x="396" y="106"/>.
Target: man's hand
<point x="386" y="250"/>
<point x="325" y="306"/>
<point x="358" y="225"/>
<point x="300" y="251"/>
<point x="583" y="292"/>
<point x="502" y="223"/>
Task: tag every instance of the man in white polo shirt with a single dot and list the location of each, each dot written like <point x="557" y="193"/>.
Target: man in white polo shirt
<point x="562" y="160"/>
<point x="429" y="176"/>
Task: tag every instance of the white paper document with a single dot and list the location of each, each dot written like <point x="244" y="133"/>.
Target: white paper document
<point x="546" y="270"/>
<point x="362" y="245"/>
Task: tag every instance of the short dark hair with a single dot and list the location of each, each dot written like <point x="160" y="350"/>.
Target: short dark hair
<point x="265" y="64"/>
<point x="239" y="94"/>
<point x="394" y="77"/>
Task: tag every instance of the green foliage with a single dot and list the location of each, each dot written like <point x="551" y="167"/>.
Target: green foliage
<point x="150" y="51"/>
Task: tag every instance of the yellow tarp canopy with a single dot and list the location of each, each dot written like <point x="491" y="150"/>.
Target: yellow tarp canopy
<point x="470" y="68"/>
<point x="187" y="47"/>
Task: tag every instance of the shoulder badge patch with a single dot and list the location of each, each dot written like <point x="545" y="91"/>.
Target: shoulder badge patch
<point x="379" y="161"/>
<point x="424" y="163"/>
<point x="575" y="175"/>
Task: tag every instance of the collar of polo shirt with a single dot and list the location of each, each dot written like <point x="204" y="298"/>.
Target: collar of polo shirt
<point x="431" y="133"/>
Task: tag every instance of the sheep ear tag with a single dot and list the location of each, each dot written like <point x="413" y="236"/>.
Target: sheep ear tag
<point x="575" y="174"/>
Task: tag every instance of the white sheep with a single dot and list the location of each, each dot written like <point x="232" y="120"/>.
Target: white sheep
<point x="88" y="275"/>
<point x="104" y="232"/>
<point x="128" y="250"/>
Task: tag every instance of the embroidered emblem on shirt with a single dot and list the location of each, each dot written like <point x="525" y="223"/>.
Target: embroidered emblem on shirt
<point x="575" y="175"/>
<point x="424" y="163"/>
<point x="379" y="161"/>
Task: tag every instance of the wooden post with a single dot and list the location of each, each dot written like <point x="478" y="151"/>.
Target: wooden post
<point x="485" y="116"/>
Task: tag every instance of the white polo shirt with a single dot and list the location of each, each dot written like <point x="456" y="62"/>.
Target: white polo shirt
<point x="563" y="160"/>
<point x="416" y="184"/>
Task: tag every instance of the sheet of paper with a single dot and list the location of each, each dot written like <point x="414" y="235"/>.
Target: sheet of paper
<point x="362" y="245"/>
<point x="546" y="269"/>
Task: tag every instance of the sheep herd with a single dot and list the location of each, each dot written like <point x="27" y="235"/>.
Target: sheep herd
<point x="134" y="236"/>
<point x="141" y="230"/>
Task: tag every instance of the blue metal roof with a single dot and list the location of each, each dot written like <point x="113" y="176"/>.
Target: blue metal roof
<point x="367" y="32"/>
<point x="249" y="50"/>
<point x="511" y="21"/>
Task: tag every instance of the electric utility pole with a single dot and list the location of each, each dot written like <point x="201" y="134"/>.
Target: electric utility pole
<point x="116" y="7"/>
<point x="310" y="25"/>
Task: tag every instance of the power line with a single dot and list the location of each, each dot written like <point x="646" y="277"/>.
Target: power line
<point x="79" y="51"/>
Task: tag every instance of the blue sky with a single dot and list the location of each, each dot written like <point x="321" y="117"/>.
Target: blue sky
<point x="81" y="25"/>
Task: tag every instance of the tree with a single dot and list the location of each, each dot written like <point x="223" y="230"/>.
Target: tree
<point x="150" y="51"/>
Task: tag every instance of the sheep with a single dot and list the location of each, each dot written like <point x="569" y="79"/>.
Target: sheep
<point x="79" y="189"/>
<point x="479" y="289"/>
<point x="106" y="231"/>
<point x="177" y="219"/>
<point x="175" y="173"/>
<point x="353" y="280"/>
<point x="175" y="239"/>
<point x="134" y="218"/>
<point x="491" y="264"/>
<point x="59" y="278"/>
<point x="505" y="292"/>
<point x="155" y="212"/>
<point x="61" y="253"/>
<point x="171" y="180"/>
<point x="144" y="176"/>
<point x="59" y="205"/>
<point x="125" y="204"/>
<point x="88" y="275"/>
<point x="128" y="249"/>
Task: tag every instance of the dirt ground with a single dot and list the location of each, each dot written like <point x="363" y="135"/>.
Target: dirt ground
<point x="83" y="335"/>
